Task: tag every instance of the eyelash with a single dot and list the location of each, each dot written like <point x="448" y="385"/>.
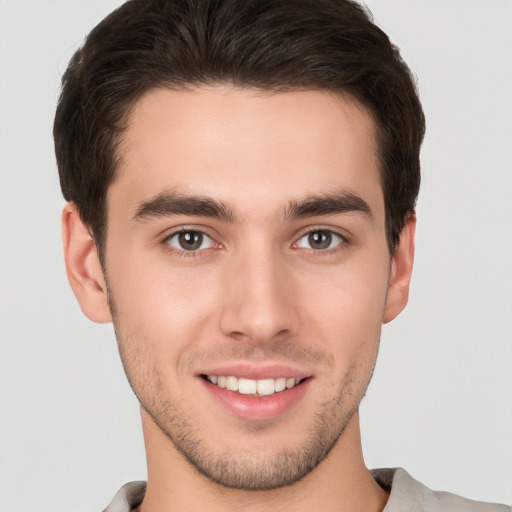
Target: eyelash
<point x="194" y="253"/>
<point x="343" y="241"/>
<point x="184" y="253"/>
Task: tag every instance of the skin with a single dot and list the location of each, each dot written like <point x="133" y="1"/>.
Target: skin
<point x="256" y="293"/>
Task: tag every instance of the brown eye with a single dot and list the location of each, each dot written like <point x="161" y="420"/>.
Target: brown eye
<point x="190" y="241"/>
<point x="320" y="240"/>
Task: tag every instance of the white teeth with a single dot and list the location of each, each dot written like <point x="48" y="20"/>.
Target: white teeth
<point x="266" y="387"/>
<point x="280" y="384"/>
<point x="262" y="387"/>
<point x="232" y="383"/>
<point x="247" y="387"/>
<point x="290" y="383"/>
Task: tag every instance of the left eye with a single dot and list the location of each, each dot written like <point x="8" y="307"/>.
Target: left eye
<point x="190" y="241"/>
<point x="319" y="240"/>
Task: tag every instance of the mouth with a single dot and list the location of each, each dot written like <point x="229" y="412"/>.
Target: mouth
<point x="260" y="387"/>
<point x="256" y="394"/>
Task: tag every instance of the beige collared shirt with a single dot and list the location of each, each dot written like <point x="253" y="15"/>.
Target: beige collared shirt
<point x="406" y="495"/>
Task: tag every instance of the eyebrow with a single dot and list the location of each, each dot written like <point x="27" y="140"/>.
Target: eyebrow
<point x="170" y="204"/>
<point x="327" y="204"/>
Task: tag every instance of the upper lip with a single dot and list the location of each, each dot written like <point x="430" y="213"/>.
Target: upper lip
<point x="257" y="371"/>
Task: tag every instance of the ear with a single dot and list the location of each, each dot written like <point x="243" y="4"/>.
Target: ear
<point x="401" y="270"/>
<point x="83" y="267"/>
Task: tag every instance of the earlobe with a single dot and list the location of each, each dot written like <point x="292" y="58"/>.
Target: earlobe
<point x="401" y="271"/>
<point x="83" y="267"/>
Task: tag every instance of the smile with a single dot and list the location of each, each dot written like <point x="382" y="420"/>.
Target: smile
<point x="261" y="387"/>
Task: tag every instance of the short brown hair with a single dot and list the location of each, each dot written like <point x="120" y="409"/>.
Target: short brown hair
<point x="274" y="45"/>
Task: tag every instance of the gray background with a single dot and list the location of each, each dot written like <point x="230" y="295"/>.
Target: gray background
<point x="440" y="401"/>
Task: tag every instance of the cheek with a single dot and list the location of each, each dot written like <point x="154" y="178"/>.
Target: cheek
<point x="345" y="314"/>
<point x="167" y="308"/>
<point x="348" y="298"/>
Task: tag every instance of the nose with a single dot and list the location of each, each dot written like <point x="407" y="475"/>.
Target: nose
<point x="258" y="305"/>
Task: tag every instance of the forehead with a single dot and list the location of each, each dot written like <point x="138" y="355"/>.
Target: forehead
<point x="243" y="146"/>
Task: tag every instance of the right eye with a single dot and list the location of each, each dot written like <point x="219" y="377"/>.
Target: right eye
<point x="190" y="241"/>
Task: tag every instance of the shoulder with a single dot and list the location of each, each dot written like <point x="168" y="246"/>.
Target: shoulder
<point x="408" y="494"/>
<point x="128" y="497"/>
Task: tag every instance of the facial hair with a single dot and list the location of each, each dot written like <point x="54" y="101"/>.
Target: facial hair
<point x="241" y="469"/>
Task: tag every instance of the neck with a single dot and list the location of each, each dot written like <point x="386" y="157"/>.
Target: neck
<point x="341" y="482"/>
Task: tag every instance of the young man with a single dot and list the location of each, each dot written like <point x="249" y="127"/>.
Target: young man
<point x="241" y="179"/>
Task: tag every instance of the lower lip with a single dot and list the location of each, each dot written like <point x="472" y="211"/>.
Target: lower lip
<point x="258" y="408"/>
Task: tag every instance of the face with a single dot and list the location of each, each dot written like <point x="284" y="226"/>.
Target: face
<point x="248" y="274"/>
